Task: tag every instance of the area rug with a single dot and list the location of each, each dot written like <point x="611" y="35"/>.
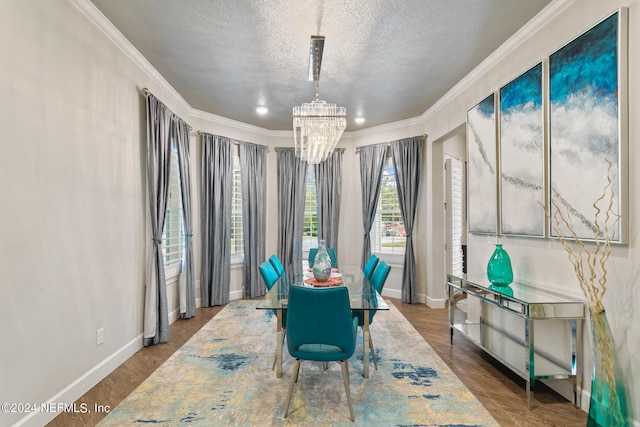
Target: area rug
<point x="223" y="377"/>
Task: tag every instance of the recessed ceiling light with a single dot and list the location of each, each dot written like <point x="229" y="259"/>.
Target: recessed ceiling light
<point x="359" y="120"/>
<point x="262" y="110"/>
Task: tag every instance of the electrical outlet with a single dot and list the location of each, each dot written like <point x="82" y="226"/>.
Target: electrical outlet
<point x="99" y="336"/>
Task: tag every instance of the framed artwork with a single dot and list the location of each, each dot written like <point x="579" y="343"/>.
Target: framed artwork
<point x="482" y="181"/>
<point x="588" y="130"/>
<point x="522" y="170"/>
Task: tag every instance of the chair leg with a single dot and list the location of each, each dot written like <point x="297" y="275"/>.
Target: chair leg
<point x="345" y="379"/>
<point x="294" y="378"/>
<point x="297" y="373"/>
<point x="373" y="352"/>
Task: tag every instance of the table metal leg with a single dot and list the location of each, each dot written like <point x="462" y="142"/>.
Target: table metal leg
<point x="365" y="345"/>
<point x="279" y="344"/>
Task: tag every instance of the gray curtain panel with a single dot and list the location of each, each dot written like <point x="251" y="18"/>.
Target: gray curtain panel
<point x="371" y="163"/>
<point x="329" y="192"/>
<point x="253" y="175"/>
<point x="407" y="161"/>
<point x="156" y="316"/>
<point x="291" y="192"/>
<point x="186" y="282"/>
<point x="217" y="170"/>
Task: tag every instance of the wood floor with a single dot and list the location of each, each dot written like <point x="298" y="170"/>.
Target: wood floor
<point x="500" y="391"/>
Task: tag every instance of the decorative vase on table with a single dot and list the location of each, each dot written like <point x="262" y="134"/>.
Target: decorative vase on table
<point x="608" y="403"/>
<point x="499" y="270"/>
<point x="322" y="264"/>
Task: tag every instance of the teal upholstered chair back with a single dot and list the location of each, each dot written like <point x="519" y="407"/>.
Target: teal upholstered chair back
<point x="378" y="279"/>
<point x="321" y="327"/>
<point x="277" y="265"/>
<point x="330" y="251"/>
<point x="370" y="267"/>
<point x="269" y="274"/>
<point x="379" y="276"/>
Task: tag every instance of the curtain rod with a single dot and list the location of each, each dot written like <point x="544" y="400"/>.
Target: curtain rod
<point x="424" y="138"/>
<point x="147" y="92"/>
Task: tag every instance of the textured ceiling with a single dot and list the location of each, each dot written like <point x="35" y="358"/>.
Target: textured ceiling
<point x="386" y="60"/>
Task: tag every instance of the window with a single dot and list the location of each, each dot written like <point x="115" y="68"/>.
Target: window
<point x="310" y="234"/>
<point x="454" y="215"/>
<point x="173" y="233"/>
<point x="387" y="233"/>
<point x="237" y="239"/>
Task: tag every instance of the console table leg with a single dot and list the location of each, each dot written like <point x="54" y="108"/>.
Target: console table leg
<point x="530" y="355"/>
<point x="578" y="378"/>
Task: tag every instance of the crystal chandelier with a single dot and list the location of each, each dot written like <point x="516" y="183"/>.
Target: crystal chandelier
<point x="317" y="125"/>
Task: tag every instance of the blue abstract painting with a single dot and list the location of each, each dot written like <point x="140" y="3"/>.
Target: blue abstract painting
<point x="584" y="94"/>
<point x="482" y="182"/>
<point x="522" y="155"/>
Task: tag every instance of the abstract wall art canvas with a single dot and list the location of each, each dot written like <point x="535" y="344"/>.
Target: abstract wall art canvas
<point x="587" y="123"/>
<point x="482" y="182"/>
<point x="522" y="155"/>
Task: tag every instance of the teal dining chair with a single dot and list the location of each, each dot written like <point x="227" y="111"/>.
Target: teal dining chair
<point x="277" y="265"/>
<point x="378" y="279"/>
<point x="269" y="274"/>
<point x="330" y="251"/>
<point x="370" y="266"/>
<point x="321" y="329"/>
<point x="270" y="277"/>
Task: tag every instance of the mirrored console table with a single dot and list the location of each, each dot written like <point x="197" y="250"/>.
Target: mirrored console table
<point x="518" y="351"/>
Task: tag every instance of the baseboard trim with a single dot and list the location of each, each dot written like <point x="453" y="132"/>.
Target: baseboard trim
<point x="436" y="303"/>
<point x="86" y="382"/>
<point x="392" y="293"/>
<point x="397" y="294"/>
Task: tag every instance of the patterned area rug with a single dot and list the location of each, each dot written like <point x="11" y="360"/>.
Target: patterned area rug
<point x="223" y="377"/>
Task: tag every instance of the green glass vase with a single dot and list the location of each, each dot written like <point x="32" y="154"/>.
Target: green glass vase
<point x="499" y="270"/>
<point x="322" y="264"/>
<point x="608" y="402"/>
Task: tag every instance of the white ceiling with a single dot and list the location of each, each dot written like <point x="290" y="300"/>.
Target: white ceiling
<point x="386" y="60"/>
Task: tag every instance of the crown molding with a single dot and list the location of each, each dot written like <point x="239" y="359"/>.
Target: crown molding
<point x="400" y="124"/>
<point x="212" y="118"/>
<point x="94" y="15"/>
<point x="551" y="11"/>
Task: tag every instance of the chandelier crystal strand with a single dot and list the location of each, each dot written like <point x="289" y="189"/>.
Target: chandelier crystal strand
<point x="318" y="125"/>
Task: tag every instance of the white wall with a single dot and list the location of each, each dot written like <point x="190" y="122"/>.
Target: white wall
<point x="73" y="223"/>
<point x="73" y="220"/>
<point x="543" y="262"/>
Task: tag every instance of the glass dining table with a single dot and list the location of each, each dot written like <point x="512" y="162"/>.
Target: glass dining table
<point x="362" y="296"/>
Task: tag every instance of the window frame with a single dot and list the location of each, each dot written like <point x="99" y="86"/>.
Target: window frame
<point x="237" y="242"/>
<point x="397" y="224"/>
<point x="310" y="212"/>
<point x="174" y="220"/>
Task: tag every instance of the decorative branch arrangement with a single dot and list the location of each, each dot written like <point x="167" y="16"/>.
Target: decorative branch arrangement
<point x="589" y="263"/>
<point x="590" y="266"/>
